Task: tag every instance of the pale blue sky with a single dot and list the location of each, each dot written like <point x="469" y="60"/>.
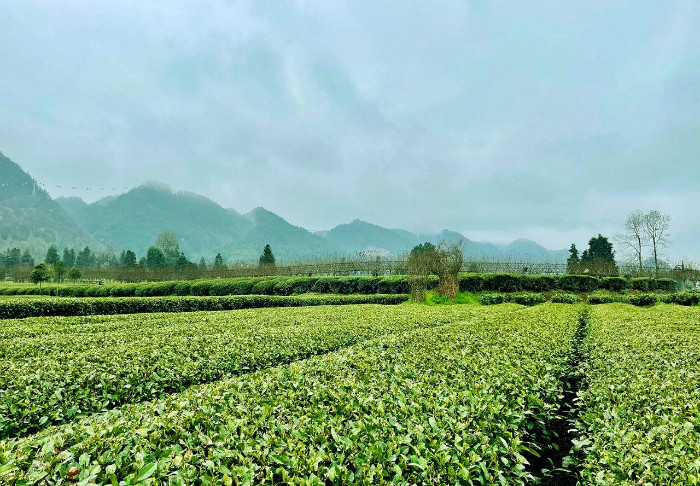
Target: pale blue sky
<point x="549" y="120"/>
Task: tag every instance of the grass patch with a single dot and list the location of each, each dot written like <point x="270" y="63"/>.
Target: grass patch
<point x="433" y="298"/>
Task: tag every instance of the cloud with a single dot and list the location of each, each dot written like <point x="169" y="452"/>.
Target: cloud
<point x="495" y="119"/>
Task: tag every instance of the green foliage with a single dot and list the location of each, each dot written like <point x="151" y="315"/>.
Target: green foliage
<point x="564" y="298"/>
<point x="155" y="258"/>
<point x="52" y="257"/>
<point x="682" y="298"/>
<point x="577" y="283"/>
<point x="642" y="419"/>
<point x="538" y="283"/>
<point x="573" y="263"/>
<point x="599" y="258"/>
<point x="129" y="259"/>
<point x="522" y="298"/>
<point x="385" y="410"/>
<point x="267" y="258"/>
<point x="434" y="298"/>
<point x="615" y="284"/>
<point x="665" y="284"/>
<point x="101" y="304"/>
<point x="27" y="259"/>
<point x="59" y="270"/>
<point x="502" y="282"/>
<point x="69" y="257"/>
<point x="74" y="274"/>
<point x="218" y="261"/>
<point x="471" y="282"/>
<point x="41" y="273"/>
<point x="641" y="283"/>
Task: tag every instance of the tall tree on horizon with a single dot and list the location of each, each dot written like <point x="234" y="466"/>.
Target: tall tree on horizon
<point x="266" y="263"/>
<point x="52" y="257"/>
<point x="573" y="263"/>
<point x="656" y="226"/>
<point x="634" y="238"/>
<point x="600" y="256"/>
<point x="69" y="257"/>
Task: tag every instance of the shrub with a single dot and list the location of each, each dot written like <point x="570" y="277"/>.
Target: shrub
<point x="182" y="288"/>
<point x="665" y="284"/>
<point x="202" y="287"/>
<point x="368" y="285"/>
<point x="393" y="285"/>
<point x="641" y="283"/>
<point x="577" y="283"/>
<point x="615" y="284"/>
<point x="641" y="299"/>
<point x="538" y="283"/>
<point x="525" y="298"/>
<point x="503" y="282"/>
<point x="471" y="282"/>
<point x="264" y="287"/>
<point x="564" y="298"/>
<point x="682" y="298"/>
<point x="602" y="297"/>
<point x="491" y="299"/>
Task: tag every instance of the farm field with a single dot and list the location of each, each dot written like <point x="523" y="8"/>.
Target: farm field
<point x="640" y="422"/>
<point x="361" y="394"/>
<point x="423" y="394"/>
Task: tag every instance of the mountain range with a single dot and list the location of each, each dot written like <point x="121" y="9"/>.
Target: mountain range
<point x="30" y="218"/>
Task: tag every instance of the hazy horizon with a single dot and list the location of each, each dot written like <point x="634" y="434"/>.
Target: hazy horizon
<point x="507" y="120"/>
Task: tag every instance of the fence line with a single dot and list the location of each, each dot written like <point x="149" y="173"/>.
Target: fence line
<point x="350" y="268"/>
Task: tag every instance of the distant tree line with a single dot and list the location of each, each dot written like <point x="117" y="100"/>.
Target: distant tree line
<point x="163" y="257"/>
<point x="642" y="230"/>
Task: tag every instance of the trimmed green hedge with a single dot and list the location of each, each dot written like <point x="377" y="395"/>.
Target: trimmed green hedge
<point x="17" y="309"/>
<point x="523" y="298"/>
<point x="473" y="282"/>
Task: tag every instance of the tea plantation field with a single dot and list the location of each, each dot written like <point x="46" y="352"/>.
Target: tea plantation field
<point x="356" y="394"/>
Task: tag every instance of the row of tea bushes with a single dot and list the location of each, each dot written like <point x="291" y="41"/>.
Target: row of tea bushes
<point x="455" y="404"/>
<point x="349" y="285"/>
<point x="55" y="370"/>
<point x="644" y="299"/>
<point x="597" y="297"/>
<point x="20" y="308"/>
<point x="640" y="412"/>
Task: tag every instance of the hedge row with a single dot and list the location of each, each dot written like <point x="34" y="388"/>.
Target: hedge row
<point x="643" y="299"/>
<point x="638" y="299"/>
<point x="16" y="309"/>
<point x="523" y="298"/>
<point x="498" y="282"/>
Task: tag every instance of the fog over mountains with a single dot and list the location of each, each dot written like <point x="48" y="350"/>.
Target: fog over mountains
<point x="29" y="218"/>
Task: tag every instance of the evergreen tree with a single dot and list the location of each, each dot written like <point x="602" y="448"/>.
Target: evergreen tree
<point x="573" y="263"/>
<point x="84" y="258"/>
<point x="69" y="257"/>
<point x="12" y="257"/>
<point x="59" y="270"/>
<point x="599" y="258"/>
<point x="266" y="263"/>
<point x="52" y="256"/>
<point x="155" y="258"/>
<point x="267" y="258"/>
<point x="27" y="258"/>
<point x="202" y="264"/>
<point x="218" y="261"/>
<point x="129" y="260"/>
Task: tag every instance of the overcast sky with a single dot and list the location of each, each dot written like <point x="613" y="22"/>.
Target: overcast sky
<point x="547" y="120"/>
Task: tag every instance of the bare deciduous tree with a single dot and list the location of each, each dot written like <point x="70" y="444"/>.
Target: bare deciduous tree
<point x="449" y="263"/>
<point x="634" y="238"/>
<point x="656" y="226"/>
